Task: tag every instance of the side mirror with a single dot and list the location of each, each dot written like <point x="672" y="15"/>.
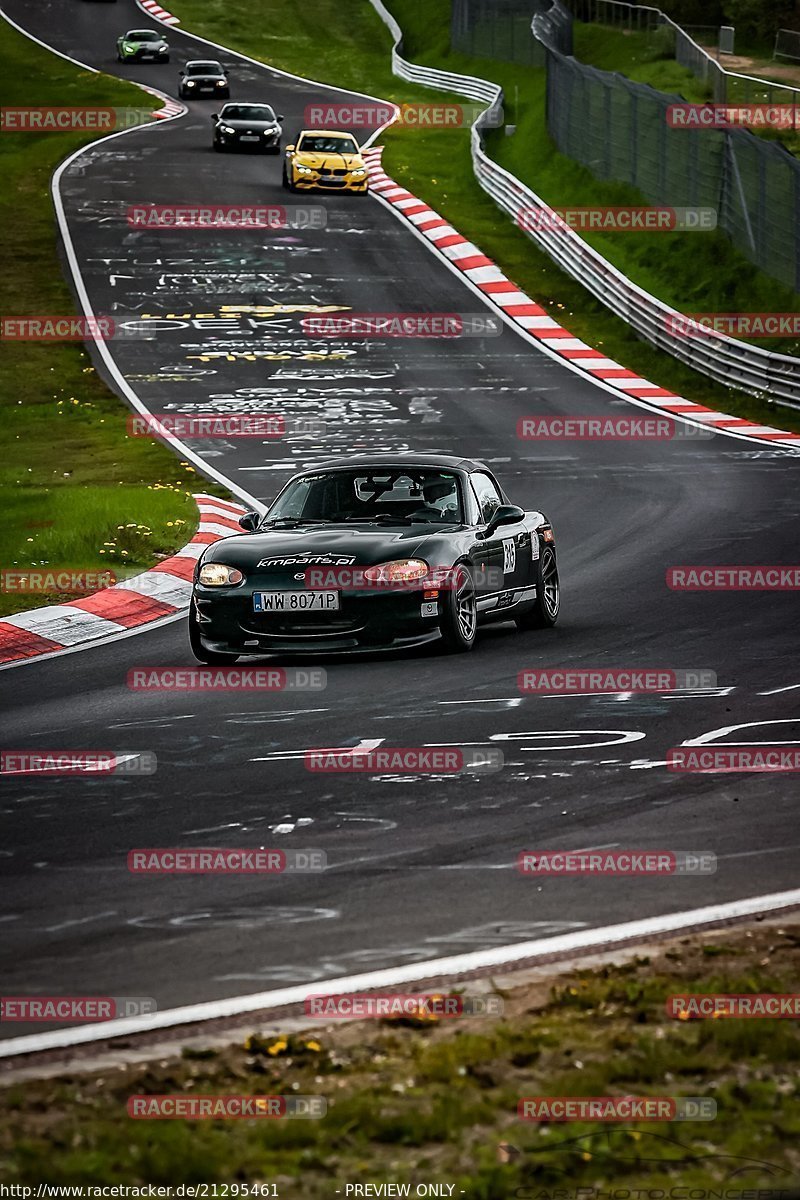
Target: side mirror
<point x="280" y="116"/>
<point x="505" y="514"/>
<point x="214" y="116"/>
<point x="289" y="149"/>
<point x="250" y="521"/>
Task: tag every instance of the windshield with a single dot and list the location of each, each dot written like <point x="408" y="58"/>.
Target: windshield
<point x="314" y="144"/>
<point x="247" y="112"/>
<point x="144" y="35"/>
<point x="203" y="68"/>
<point x="402" y="495"/>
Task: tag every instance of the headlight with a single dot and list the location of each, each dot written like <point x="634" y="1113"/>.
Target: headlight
<point x="218" y="575"/>
<point x="402" y="570"/>
<point x="227" y="129"/>
<point x="222" y="83"/>
<point x="128" y="46"/>
<point x="306" y="170"/>
<point x="189" y="83"/>
<point x="358" y="171"/>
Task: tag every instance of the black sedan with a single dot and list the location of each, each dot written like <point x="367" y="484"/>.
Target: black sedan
<point x="372" y="553"/>
<point x="247" y="127"/>
<point x="202" y="77"/>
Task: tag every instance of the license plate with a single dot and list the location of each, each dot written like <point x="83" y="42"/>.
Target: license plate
<point x="280" y="602"/>
<point x="248" y="137"/>
<point x="329" y="179"/>
<point x="144" y="56"/>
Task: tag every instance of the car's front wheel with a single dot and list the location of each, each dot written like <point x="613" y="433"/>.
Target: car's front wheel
<point x="459" y="620"/>
<point x="210" y="657"/>
<point x="543" y="614"/>
<point x="286" y="181"/>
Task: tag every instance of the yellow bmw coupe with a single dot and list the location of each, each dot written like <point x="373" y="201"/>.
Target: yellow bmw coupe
<point x="327" y="160"/>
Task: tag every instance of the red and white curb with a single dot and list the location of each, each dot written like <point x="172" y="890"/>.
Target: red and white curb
<point x="537" y="323"/>
<point x="155" y="10"/>
<point x="172" y="108"/>
<point x="160" y="592"/>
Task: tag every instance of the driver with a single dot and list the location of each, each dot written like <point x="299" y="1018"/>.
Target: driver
<point x="432" y="492"/>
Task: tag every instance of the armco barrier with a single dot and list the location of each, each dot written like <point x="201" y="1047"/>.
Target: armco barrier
<point x="727" y="360"/>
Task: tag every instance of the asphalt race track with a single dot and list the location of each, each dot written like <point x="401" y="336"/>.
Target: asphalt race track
<point x="420" y="867"/>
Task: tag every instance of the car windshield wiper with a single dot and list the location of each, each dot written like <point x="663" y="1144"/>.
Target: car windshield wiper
<point x="382" y="518"/>
<point x="286" y="521"/>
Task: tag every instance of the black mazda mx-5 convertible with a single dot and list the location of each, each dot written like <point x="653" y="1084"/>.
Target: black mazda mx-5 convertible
<point x="375" y="552"/>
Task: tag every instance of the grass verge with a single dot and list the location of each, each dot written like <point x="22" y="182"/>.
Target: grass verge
<point x="78" y="492"/>
<point x="420" y="1101"/>
<point x="348" y="45"/>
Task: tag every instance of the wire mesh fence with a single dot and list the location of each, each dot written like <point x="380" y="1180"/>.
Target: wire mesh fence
<point x="499" y="29"/>
<point x="625" y="131"/>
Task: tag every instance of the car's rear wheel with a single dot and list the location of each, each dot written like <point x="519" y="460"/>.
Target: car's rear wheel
<point x="210" y="657"/>
<point x="459" y="620"/>
<point x="544" y="612"/>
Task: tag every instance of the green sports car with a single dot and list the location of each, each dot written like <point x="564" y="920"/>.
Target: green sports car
<point x="142" y="45"/>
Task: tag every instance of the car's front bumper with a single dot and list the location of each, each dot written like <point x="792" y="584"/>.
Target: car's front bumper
<point x="341" y="183"/>
<point x="205" y="89"/>
<point x="366" y="620"/>
<point x="236" y="141"/>
<point x="145" y="55"/>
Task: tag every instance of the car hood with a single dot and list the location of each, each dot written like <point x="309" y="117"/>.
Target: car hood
<point x="331" y="160"/>
<point x="313" y="545"/>
<point x="150" y="45"/>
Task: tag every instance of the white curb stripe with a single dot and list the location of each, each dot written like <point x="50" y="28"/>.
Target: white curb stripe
<point x="457" y="964"/>
<point x="64" y="623"/>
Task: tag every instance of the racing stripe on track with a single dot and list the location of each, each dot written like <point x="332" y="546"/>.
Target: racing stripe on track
<point x="160" y="592"/>
<point x="537" y="322"/>
<point x="155" y="10"/>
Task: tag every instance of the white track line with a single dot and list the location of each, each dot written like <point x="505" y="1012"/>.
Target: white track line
<point x="457" y="964"/>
